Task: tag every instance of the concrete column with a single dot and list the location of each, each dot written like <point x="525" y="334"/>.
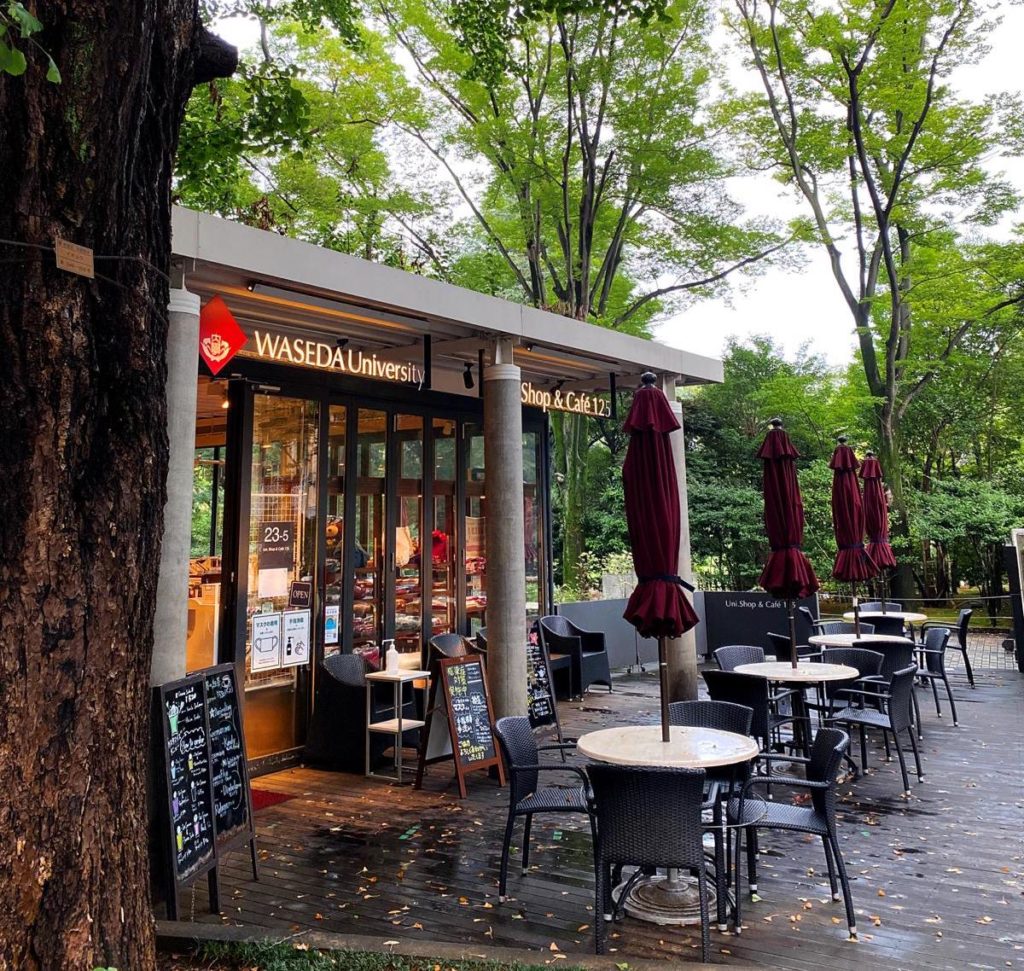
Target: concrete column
<point x="682" y="651"/>
<point x="170" y="626"/>
<point x="506" y="553"/>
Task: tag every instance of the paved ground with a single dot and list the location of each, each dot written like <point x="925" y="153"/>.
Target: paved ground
<point x="937" y="879"/>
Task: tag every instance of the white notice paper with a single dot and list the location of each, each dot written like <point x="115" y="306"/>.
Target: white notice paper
<point x="273" y="582"/>
<point x="266" y="642"/>
<point x="295" y="639"/>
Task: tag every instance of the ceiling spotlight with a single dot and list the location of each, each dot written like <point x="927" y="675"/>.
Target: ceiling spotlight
<point x="251" y="286"/>
<point x="558" y="385"/>
<point x="467" y="376"/>
<point x="341" y="342"/>
<point x="225" y="404"/>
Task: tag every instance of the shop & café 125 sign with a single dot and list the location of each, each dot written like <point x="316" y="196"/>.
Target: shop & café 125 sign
<point x="575" y="402"/>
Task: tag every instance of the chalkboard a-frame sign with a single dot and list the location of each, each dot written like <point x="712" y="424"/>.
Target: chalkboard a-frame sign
<point x="206" y="804"/>
<point x="184" y="736"/>
<point x="459" y="691"/>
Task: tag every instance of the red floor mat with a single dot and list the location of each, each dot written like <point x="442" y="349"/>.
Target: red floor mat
<point x="264" y="798"/>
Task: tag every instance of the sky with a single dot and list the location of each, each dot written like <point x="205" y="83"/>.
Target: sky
<point x="799" y="307"/>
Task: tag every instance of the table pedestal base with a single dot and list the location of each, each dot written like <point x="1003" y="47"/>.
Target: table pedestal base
<point x="671" y="900"/>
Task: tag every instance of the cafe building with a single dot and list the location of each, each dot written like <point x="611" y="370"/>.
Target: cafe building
<point x="360" y="454"/>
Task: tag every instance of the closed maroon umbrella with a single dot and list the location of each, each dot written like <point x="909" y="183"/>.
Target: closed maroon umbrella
<point x="788" y="574"/>
<point x="876" y="518"/>
<point x="658" y="607"/>
<point x="853" y="562"/>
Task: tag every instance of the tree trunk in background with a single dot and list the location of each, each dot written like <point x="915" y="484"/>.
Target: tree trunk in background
<point x="901" y="585"/>
<point x="83" y="451"/>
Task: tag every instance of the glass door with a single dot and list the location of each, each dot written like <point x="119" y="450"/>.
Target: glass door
<point x="281" y="570"/>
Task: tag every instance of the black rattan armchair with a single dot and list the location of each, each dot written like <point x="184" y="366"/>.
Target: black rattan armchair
<point x="780" y="645"/>
<point x="586" y="649"/>
<point x="892" y="715"/>
<point x="932" y="656"/>
<point x="842" y="627"/>
<point x="521" y="754"/>
<point x="871" y="606"/>
<point x="752" y="692"/>
<point x="963" y="621"/>
<point x="896" y="655"/>
<point x="818" y="819"/>
<point x="731" y="656"/>
<point x="646" y="818"/>
<point x="867" y="663"/>
<point x="722" y="781"/>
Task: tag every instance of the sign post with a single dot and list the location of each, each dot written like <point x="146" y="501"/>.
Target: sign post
<point x="458" y="694"/>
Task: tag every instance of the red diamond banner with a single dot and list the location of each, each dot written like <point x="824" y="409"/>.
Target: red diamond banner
<point x="220" y="337"/>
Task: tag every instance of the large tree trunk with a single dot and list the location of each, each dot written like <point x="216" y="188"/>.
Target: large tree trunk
<point x="83" y="452"/>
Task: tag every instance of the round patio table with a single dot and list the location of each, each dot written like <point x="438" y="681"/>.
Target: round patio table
<point x="907" y="616"/>
<point x="671" y="899"/>
<point x="848" y="640"/>
<point x="812" y="672"/>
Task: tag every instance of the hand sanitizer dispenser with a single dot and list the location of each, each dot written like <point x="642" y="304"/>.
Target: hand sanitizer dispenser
<point x="391" y="657"/>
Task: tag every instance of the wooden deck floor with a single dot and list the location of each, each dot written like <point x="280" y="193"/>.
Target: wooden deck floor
<point x="937" y="879"/>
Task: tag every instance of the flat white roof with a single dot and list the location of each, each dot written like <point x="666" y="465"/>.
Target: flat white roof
<point x="269" y="277"/>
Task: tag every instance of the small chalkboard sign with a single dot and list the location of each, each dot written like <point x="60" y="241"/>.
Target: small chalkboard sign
<point x="187" y="783"/>
<point x="207" y="805"/>
<point x="463" y="698"/>
<point x="232" y="799"/>
<point x="540" y="692"/>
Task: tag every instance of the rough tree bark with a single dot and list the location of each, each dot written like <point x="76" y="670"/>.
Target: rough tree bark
<point x="83" y="456"/>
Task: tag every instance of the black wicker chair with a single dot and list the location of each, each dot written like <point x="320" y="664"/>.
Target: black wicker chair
<point x="721" y="781"/>
<point x="963" y="621"/>
<point x="892" y="715"/>
<point x="780" y="646"/>
<point x="337" y="731"/>
<point x="876" y="605"/>
<point x="932" y="661"/>
<point x="586" y="650"/>
<point x="481" y="641"/>
<point x="896" y="655"/>
<point x="731" y="656"/>
<point x="867" y="663"/>
<point x="842" y="627"/>
<point x="817" y="819"/>
<point x="521" y="754"/>
<point x="646" y="818"/>
<point x="752" y="692"/>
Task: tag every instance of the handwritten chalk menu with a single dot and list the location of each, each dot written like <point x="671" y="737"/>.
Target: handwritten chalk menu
<point x="471" y="711"/>
<point x="203" y="778"/>
<point x="231" y="797"/>
<point x="188" y="776"/>
<point x="540" y="692"/>
<point x="463" y="698"/>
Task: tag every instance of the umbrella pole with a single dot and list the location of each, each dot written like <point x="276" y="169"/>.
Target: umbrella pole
<point x="856" y="609"/>
<point x="663" y="673"/>
<point x="792" y="631"/>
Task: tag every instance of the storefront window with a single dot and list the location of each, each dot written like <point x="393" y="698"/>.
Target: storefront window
<point x="334" y="539"/>
<point x="476" y="544"/>
<point x="368" y="552"/>
<point x="408" y="431"/>
<point x="282" y="554"/>
<point x="204" y="567"/>
<point x="443" y="546"/>
<point x="533" y="521"/>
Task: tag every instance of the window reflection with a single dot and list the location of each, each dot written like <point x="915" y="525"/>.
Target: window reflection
<point x="476" y="543"/>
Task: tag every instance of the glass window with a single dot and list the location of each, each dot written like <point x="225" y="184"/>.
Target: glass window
<point x="408" y="431"/>
<point x="204" y="568"/>
<point x="476" y="520"/>
<point x="334" y="538"/>
<point x="443" y="545"/>
<point x="533" y="523"/>
<point x="368" y="552"/>
<point x="282" y="551"/>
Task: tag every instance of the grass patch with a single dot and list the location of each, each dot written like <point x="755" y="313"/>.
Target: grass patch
<point x="296" y="957"/>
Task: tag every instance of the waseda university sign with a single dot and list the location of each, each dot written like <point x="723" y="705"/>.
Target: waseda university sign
<point x="220" y="338"/>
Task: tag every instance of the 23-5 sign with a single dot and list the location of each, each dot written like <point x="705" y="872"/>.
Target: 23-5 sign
<point x="277" y="545"/>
